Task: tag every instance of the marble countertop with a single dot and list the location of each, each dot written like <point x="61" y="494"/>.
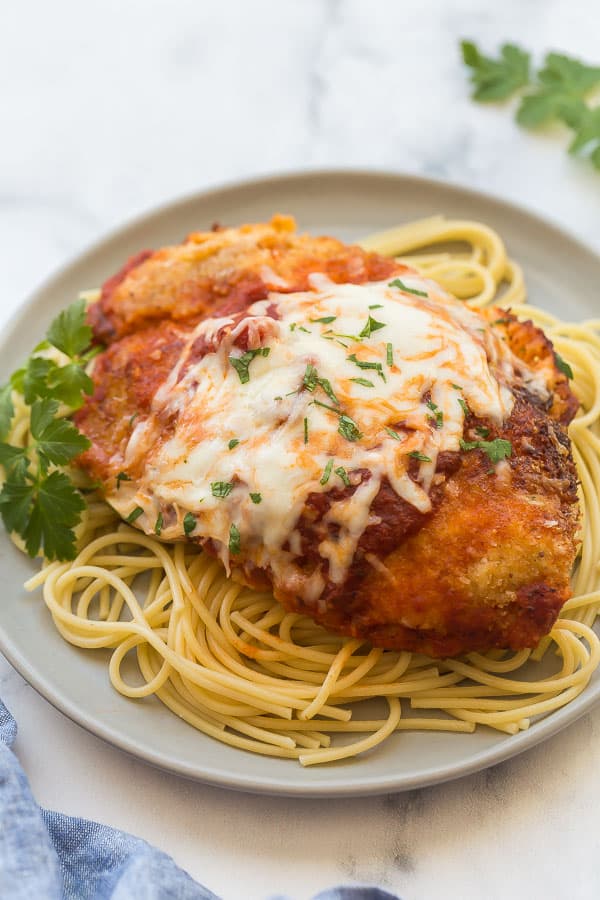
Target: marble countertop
<point x="109" y="108"/>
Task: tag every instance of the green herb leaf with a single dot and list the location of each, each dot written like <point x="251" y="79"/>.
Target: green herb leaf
<point x="305" y="430"/>
<point x="482" y="431"/>
<point x="234" y="539"/>
<point x="327" y="472"/>
<point x="242" y="363"/>
<point x="456" y="387"/>
<point x="563" y="83"/>
<point x="256" y="498"/>
<point x="57" y="440"/>
<point x="311" y="378"/>
<point x="394" y="434"/>
<point x="496" y="450"/>
<point x="397" y="283"/>
<point x="7" y="410"/>
<point x="371" y="326"/>
<point x="341" y="472"/>
<point x="389" y="350"/>
<point x="221" y="489"/>
<point x="464" y="407"/>
<point x="364" y="381"/>
<point x="563" y="366"/>
<point x="69" y="331"/>
<point x="326" y="320"/>
<point x="158" y="525"/>
<point x="349" y="429"/>
<point x="375" y="305"/>
<point x="14" y="459"/>
<point x="122" y="476"/>
<point x="233" y="443"/>
<point x="189" y="523"/>
<point x="420" y="456"/>
<point x="376" y="366"/>
<point x="68" y="384"/>
<point x="496" y="79"/>
<point x="134" y="514"/>
<point x="438" y="416"/>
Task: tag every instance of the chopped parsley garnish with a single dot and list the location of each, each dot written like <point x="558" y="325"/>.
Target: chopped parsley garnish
<point x="327" y="406"/>
<point x="189" y="523"/>
<point x="327" y="472"/>
<point x="221" y="489"/>
<point x="397" y="283"/>
<point x="256" y="498"/>
<point x="375" y="305"/>
<point x="132" y="419"/>
<point x="420" y="456"/>
<point x="235" y="441"/>
<point x="464" y="407"/>
<point x="234" y="539"/>
<point x="501" y="322"/>
<point x="371" y="326"/>
<point x="349" y="429"/>
<point x="134" y="514"/>
<point x="241" y="363"/>
<point x="122" y="476"/>
<point x="438" y="416"/>
<point x="376" y="366"/>
<point x="456" y="387"/>
<point x="481" y="431"/>
<point x="312" y="380"/>
<point x="305" y="430"/>
<point x="338" y="334"/>
<point x="563" y="366"/>
<point x="364" y="381"/>
<point x="343" y="475"/>
<point x="389" y="351"/>
<point x="326" y="320"/>
<point x="496" y="450"/>
<point x="158" y="525"/>
<point x="394" y="434"/>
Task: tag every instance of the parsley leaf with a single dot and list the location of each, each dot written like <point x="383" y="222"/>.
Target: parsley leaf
<point x="496" y="450"/>
<point x="233" y="443"/>
<point x="241" y="363"/>
<point x="367" y="365"/>
<point x="341" y="472"/>
<point x="326" y="320"/>
<point x="393" y="434"/>
<point x="7" y="409"/>
<point x="234" y="539"/>
<point x="563" y="366"/>
<point x="57" y="441"/>
<point x="563" y="83"/>
<point x="397" y="283"/>
<point x="305" y="430"/>
<point x="364" y="381"/>
<point x="43" y="513"/>
<point x="389" y="351"/>
<point x="256" y="498"/>
<point x="189" y="523"/>
<point x="327" y="472"/>
<point x="496" y="79"/>
<point x="349" y="429"/>
<point x="312" y="380"/>
<point x="69" y="331"/>
<point x="371" y="326"/>
<point x="122" y="476"/>
<point x="221" y="489"/>
<point x="420" y="456"/>
<point x="158" y="525"/>
<point x="438" y="416"/>
<point x="134" y="514"/>
<point x="464" y="406"/>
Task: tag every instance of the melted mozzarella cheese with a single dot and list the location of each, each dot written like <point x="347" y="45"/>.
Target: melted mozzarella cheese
<point x="336" y="379"/>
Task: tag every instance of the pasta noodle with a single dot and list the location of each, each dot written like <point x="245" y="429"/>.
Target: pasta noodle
<point x="235" y="665"/>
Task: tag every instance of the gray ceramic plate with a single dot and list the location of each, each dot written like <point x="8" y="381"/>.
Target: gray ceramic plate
<point x="562" y="276"/>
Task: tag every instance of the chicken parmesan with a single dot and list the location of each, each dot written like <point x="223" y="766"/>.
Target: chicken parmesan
<point x="337" y="428"/>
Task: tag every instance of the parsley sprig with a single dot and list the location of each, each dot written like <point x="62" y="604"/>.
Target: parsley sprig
<point x="37" y="501"/>
<point x="558" y="91"/>
<point x="496" y="450"/>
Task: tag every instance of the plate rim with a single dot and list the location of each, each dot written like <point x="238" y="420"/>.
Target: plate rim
<point x="508" y="746"/>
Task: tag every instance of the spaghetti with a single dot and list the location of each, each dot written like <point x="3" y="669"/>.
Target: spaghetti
<point x="235" y="665"/>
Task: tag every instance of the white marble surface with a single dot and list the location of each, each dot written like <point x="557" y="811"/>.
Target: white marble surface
<point x="110" y="107"/>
